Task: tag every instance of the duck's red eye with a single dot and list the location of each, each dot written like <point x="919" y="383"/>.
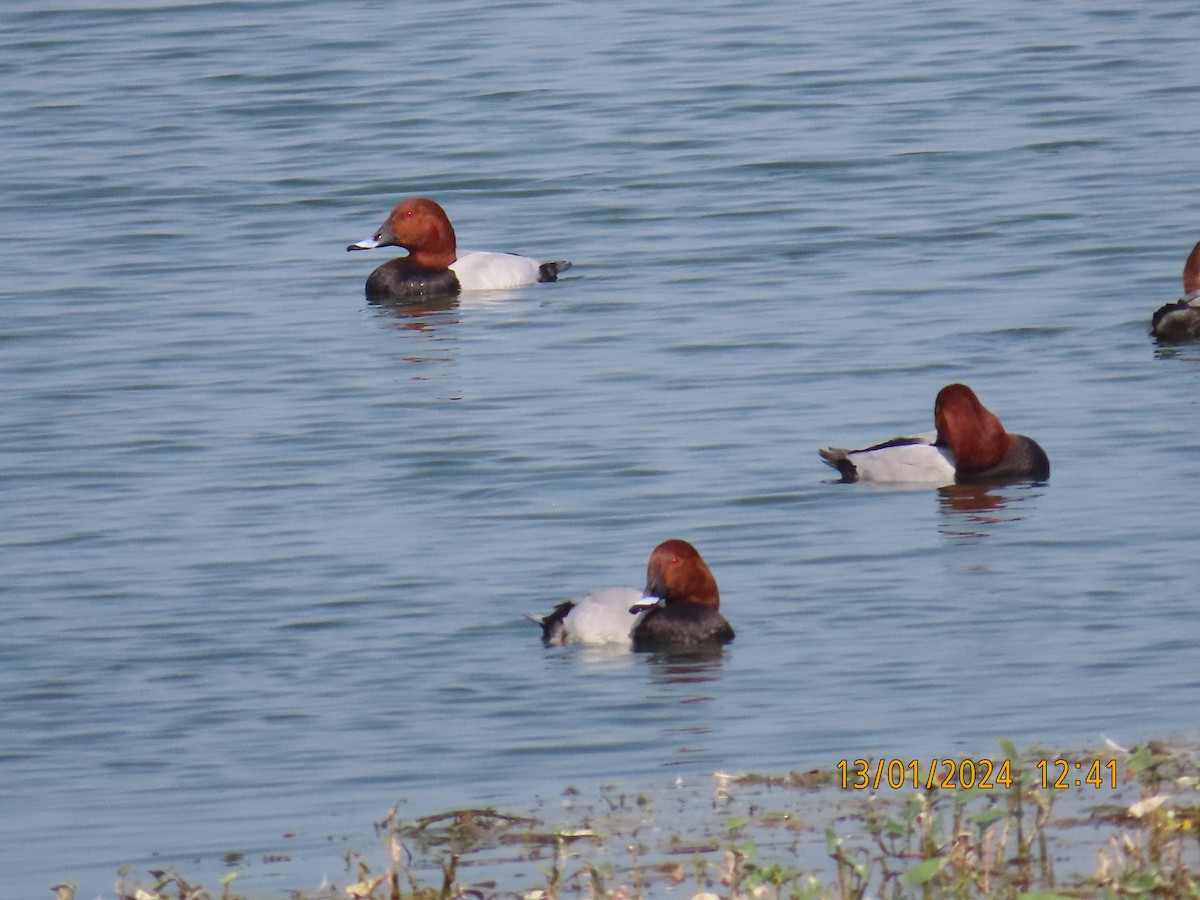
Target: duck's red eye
<point x="674" y="560"/>
<point x="409" y="214"/>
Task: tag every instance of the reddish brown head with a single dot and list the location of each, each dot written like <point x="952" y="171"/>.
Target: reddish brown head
<point x="677" y="574"/>
<point x="1191" y="271"/>
<point x="971" y="431"/>
<point x="422" y="228"/>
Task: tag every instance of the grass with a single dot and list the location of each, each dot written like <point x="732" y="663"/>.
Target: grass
<point x="1119" y="824"/>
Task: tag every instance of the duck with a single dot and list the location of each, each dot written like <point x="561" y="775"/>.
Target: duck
<point x="1179" y="322"/>
<point x="679" y="607"/>
<point x="969" y="446"/>
<point x="433" y="265"/>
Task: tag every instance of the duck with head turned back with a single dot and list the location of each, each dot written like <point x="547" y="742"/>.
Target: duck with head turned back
<point x="680" y="607"/>
<point x="970" y="445"/>
<point x="433" y="266"/>
<point x="1179" y="322"/>
<point x="982" y="449"/>
<point x="681" y="600"/>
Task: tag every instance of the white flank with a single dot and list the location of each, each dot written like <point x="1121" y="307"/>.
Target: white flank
<point x="905" y="464"/>
<point x="603" y="617"/>
<point x="494" y="271"/>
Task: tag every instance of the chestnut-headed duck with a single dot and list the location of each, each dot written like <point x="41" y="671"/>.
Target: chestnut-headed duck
<point x="433" y="266"/>
<point x="969" y="446"/>
<point x="680" y="607"/>
<point x="1179" y="322"/>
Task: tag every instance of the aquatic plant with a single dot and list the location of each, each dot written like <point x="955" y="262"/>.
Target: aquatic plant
<point x="1041" y="825"/>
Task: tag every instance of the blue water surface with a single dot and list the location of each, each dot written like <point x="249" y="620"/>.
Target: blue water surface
<point x="265" y="547"/>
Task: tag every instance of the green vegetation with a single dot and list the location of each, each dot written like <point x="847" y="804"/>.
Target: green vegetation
<point x="1113" y="824"/>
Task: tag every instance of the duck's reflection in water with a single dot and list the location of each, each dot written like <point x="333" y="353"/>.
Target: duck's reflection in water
<point x="976" y="510"/>
<point x="428" y="314"/>
<point x="430" y="326"/>
<point x="674" y="703"/>
<point x="690" y="665"/>
<point x="684" y="678"/>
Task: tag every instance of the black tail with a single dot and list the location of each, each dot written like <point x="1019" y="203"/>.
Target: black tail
<point x="549" y="271"/>
<point x="554" y="632"/>
<point x="840" y="460"/>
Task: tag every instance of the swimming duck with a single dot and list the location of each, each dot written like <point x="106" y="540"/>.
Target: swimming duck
<point x="679" y="607"/>
<point x="1179" y="322"/>
<point x="969" y="445"/>
<point x="433" y="266"/>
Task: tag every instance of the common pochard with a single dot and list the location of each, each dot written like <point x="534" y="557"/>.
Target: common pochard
<point x="680" y="607"/>
<point x="969" y="446"/>
<point x="433" y="266"/>
<point x="1179" y="322"/>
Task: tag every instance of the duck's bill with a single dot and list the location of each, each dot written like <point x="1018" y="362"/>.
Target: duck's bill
<point x="646" y="603"/>
<point x="365" y="244"/>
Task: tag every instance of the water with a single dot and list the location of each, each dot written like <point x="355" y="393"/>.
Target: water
<point x="266" y="547"/>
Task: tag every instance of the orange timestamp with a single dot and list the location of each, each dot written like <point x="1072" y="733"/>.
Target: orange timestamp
<point x="982" y="774"/>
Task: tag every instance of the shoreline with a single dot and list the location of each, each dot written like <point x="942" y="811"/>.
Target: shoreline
<point x="1041" y="824"/>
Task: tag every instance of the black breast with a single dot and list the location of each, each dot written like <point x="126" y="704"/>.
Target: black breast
<point x="1025" y="459"/>
<point x="401" y="279"/>
<point x="1176" y="323"/>
<point x="682" y="625"/>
